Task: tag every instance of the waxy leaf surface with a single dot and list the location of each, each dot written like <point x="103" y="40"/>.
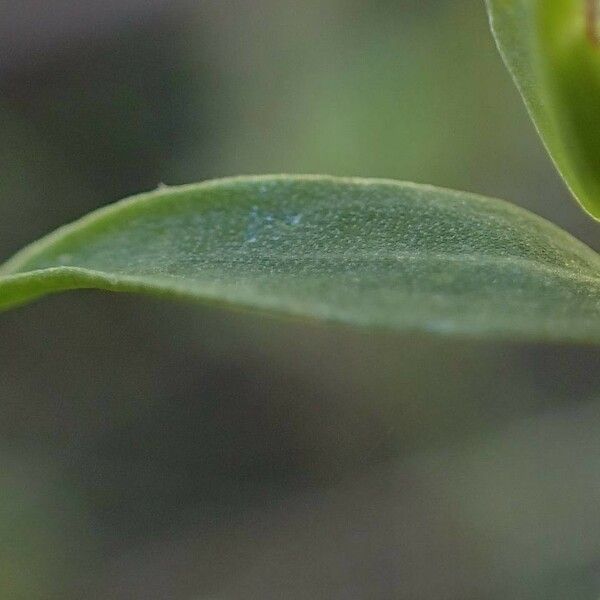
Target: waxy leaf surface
<point x="364" y="252"/>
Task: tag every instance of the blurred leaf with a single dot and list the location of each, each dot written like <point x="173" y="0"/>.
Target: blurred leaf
<point x="552" y="50"/>
<point x="364" y="252"/>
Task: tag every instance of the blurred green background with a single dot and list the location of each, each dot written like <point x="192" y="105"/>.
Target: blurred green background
<point x="165" y="451"/>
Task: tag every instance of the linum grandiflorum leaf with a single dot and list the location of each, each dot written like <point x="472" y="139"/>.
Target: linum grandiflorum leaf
<point x="365" y="252"/>
<point x="552" y="49"/>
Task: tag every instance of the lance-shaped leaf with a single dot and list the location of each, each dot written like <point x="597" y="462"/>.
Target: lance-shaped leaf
<point x="377" y="253"/>
<point x="552" y="49"/>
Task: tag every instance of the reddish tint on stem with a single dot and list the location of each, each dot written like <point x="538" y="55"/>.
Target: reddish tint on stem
<point x="592" y="17"/>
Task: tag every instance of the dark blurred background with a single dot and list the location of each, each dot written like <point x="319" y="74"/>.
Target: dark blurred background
<point x="164" y="451"/>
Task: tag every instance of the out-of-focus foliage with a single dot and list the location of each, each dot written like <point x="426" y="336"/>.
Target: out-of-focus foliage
<point x="553" y="51"/>
<point x="181" y="447"/>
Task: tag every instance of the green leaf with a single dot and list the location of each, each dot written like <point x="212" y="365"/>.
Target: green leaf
<point x="552" y="49"/>
<point x="377" y="253"/>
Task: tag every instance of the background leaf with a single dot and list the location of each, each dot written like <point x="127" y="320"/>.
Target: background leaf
<point x="364" y="252"/>
<point x="552" y="50"/>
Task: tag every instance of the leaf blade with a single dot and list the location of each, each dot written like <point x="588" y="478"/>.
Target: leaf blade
<point x="364" y="252"/>
<point x="552" y="54"/>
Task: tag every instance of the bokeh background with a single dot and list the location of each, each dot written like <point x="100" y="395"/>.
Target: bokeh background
<point x="165" y="451"/>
